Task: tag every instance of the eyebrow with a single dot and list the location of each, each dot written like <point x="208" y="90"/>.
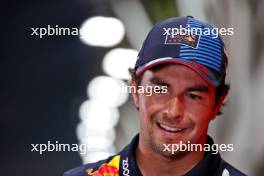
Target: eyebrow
<point x="158" y="81"/>
<point x="198" y="87"/>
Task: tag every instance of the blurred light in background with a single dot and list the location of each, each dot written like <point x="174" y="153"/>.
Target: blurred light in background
<point x="83" y="132"/>
<point x="108" y="90"/>
<point x="97" y="115"/>
<point x="96" y="129"/>
<point x="101" y="143"/>
<point x="117" y="62"/>
<point x="102" y="31"/>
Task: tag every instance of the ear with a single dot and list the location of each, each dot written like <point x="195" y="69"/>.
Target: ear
<point x="135" y="93"/>
<point x="219" y="104"/>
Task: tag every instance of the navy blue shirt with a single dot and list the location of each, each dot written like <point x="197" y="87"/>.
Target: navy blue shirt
<point x="124" y="164"/>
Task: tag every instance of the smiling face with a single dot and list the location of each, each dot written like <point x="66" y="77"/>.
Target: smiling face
<point x="181" y="114"/>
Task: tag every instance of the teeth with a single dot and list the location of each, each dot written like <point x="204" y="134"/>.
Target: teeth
<point x="170" y="129"/>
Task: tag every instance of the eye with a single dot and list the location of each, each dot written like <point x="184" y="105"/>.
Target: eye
<point x="194" y="96"/>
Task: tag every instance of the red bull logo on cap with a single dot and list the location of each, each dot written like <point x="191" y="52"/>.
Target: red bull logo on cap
<point x="189" y="40"/>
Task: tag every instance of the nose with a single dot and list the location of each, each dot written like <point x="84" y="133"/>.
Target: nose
<point x="174" y="109"/>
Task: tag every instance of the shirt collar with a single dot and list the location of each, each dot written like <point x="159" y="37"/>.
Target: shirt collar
<point x="207" y="166"/>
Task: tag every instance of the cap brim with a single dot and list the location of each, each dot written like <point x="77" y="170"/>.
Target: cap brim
<point x="208" y="77"/>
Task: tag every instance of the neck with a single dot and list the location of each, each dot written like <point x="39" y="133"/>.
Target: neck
<point x="154" y="164"/>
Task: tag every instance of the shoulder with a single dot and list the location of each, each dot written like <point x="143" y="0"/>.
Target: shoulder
<point x="110" y="164"/>
<point x="229" y="170"/>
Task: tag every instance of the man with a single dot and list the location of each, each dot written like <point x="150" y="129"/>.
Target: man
<point x="192" y="66"/>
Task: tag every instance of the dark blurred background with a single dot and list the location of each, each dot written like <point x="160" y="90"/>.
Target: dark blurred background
<point x="43" y="83"/>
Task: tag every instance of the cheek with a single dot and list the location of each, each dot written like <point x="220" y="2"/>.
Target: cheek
<point x="148" y="108"/>
<point x="201" y="110"/>
<point x="200" y="116"/>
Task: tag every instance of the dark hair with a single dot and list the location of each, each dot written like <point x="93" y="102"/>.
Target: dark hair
<point x="220" y="90"/>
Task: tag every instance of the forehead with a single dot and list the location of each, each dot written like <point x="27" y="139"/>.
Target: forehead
<point x="175" y="73"/>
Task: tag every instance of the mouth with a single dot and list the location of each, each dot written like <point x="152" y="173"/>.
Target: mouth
<point x="170" y="129"/>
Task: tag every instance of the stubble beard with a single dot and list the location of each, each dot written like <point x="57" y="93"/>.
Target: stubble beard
<point x="159" y="148"/>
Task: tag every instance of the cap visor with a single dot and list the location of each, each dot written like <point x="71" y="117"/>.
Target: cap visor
<point x="188" y="63"/>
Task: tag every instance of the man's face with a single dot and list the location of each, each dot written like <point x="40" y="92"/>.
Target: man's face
<point x="181" y="114"/>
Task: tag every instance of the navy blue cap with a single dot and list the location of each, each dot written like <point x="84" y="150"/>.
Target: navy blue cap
<point x="196" y="46"/>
